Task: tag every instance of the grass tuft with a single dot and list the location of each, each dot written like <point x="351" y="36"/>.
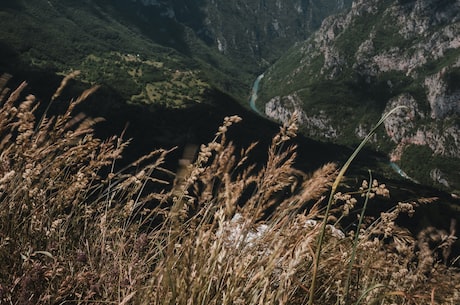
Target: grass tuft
<point x="76" y="230"/>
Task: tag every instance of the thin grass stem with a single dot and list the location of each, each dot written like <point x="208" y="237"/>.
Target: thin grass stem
<point x="355" y="241"/>
<point x="331" y="199"/>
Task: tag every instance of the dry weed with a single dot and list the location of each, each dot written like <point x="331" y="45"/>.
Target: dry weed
<point x="73" y="230"/>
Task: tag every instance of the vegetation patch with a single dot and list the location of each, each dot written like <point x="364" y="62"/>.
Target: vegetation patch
<point x="146" y="81"/>
<point x="422" y="164"/>
<point x="435" y="65"/>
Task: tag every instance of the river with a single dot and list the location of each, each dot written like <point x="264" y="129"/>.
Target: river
<point x="252" y="100"/>
<point x="398" y="170"/>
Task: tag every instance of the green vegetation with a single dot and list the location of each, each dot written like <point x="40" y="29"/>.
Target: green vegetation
<point x="74" y="229"/>
<point x="417" y="160"/>
<point x="387" y="34"/>
<point x="352" y="37"/>
<point x="145" y="81"/>
<point x="434" y="66"/>
<point x="420" y="162"/>
<point x="380" y="24"/>
<point x="93" y="38"/>
<point x="280" y="73"/>
<point x="68" y="34"/>
<point x="257" y="33"/>
<point x="452" y="79"/>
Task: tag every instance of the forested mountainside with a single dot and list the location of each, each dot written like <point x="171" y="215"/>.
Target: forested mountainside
<point x="171" y="53"/>
<point x="251" y="33"/>
<point x="95" y="38"/>
<point x="360" y="64"/>
<point x="158" y="62"/>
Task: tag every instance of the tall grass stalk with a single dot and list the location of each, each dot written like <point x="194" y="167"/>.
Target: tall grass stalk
<point x="356" y="240"/>
<point x="331" y="199"/>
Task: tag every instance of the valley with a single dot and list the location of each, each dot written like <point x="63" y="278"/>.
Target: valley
<point x="168" y="170"/>
<point x="155" y="55"/>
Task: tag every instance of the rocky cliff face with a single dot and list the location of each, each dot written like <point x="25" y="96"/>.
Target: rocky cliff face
<point x="317" y="125"/>
<point x="379" y="55"/>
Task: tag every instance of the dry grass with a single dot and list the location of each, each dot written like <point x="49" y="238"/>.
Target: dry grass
<point x="73" y="230"/>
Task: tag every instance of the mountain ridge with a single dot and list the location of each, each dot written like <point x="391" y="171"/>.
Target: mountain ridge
<point x="190" y="36"/>
<point x="360" y="64"/>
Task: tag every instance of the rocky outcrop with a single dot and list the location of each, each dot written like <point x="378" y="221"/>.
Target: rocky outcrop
<point x="410" y="126"/>
<point x="403" y="121"/>
<point x="398" y="53"/>
<point x="442" y="103"/>
<point x="282" y="110"/>
<point x="437" y="175"/>
<point x="414" y="25"/>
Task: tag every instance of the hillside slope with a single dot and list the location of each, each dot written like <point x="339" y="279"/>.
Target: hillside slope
<point x="381" y="54"/>
<point x="159" y="73"/>
<point x="252" y="34"/>
<point x="91" y="37"/>
<point x="166" y="52"/>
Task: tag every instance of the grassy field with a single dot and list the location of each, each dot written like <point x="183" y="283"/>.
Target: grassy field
<point x="75" y="228"/>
